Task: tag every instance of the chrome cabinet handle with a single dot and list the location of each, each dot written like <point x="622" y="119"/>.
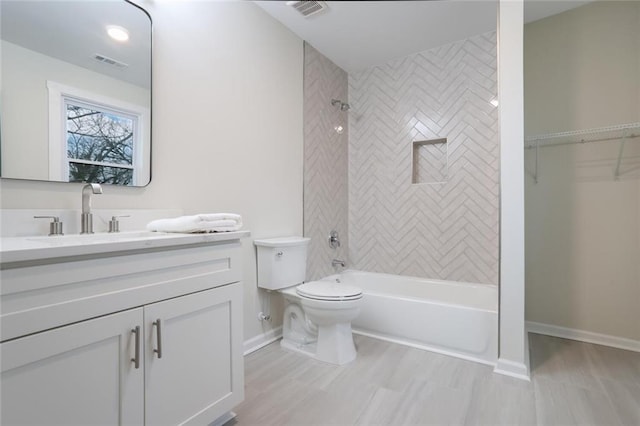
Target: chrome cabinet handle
<point x="157" y="323"/>
<point x="136" y="357"/>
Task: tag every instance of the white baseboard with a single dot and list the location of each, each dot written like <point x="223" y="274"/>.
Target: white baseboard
<point x="262" y="340"/>
<point x="583" y="336"/>
<point x="517" y="370"/>
<point x="527" y="353"/>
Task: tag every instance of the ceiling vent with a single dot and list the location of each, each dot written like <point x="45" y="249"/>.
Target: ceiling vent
<point x="109" y="61"/>
<point x="308" y="7"/>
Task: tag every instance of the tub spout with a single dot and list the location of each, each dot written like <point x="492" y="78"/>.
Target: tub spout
<point x="336" y="262"/>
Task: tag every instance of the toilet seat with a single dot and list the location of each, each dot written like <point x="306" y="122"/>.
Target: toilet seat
<point x="329" y="291"/>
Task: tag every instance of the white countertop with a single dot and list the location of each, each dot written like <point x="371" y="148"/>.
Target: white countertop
<point x="37" y="248"/>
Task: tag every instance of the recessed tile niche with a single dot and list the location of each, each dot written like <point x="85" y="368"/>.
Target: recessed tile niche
<point x="430" y="161"/>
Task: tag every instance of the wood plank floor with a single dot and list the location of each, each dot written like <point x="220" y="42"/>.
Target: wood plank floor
<point x="573" y="383"/>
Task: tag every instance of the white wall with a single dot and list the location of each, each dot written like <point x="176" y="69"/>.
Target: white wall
<point x="513" y="359"/>
<point x="582" y="70"/>
<point x="227" y="128"/>
<point x="25" y="105"/>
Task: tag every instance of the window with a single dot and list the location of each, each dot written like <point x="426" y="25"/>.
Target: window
<point x="95" y="139"/>
<point x="100" y="144"/>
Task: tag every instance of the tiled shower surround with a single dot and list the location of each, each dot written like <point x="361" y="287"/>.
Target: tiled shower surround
<point x="325" y="161"/>
<point x="446" y="226"/>
<point x="445" y="230"/>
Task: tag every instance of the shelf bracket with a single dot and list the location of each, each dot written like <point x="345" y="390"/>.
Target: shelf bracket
<point x="535" y="173"/>
<point x="616" y="172"/>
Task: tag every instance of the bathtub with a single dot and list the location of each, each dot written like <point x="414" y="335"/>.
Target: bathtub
<point x="448" y="317"/>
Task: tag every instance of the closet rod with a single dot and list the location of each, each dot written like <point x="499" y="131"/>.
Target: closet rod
<point x="622" y="133"/>
<point x="531" y="145"/>
<point x="599" y="134"/>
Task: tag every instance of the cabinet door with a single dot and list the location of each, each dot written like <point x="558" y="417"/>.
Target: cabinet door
<point x="194" y="367"/>
<point x="81" y="374"/>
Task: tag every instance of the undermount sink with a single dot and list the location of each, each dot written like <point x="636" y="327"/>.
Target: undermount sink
<point x="63" y="240"/>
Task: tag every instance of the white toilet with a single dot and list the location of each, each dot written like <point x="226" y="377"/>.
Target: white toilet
<point x="318" y="314"/>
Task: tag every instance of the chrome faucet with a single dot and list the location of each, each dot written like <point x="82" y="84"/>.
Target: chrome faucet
<point x="336" y="262"/>
<point x="86" y="218"/>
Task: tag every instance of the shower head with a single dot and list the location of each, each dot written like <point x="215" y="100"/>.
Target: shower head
<point x="338" y="103"/>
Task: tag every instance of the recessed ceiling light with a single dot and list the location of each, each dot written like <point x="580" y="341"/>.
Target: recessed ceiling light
<point x="118" y="33"/>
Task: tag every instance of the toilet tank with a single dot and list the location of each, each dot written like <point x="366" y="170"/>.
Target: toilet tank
<point x="282" y="262"/>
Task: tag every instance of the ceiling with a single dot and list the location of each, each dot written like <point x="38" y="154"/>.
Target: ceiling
<point x="359" y="34"/>
<point x="74" y="31"/>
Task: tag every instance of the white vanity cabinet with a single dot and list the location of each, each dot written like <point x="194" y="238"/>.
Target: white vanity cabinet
<point x="80" y="374"/>
<point x="194" y="366"/>
<point x="144" y="337"/>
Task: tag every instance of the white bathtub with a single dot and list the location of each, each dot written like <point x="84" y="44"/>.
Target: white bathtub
<point x="452" y="318"/>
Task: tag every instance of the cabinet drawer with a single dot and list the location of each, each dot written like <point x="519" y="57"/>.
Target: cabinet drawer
<point x="36" y="298"/>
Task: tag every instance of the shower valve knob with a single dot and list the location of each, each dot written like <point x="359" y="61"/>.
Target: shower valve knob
<point x="334" y="240"/>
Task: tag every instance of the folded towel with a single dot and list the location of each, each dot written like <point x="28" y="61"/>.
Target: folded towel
<point x="210" y="217"/>
<point x="212" y="222"/>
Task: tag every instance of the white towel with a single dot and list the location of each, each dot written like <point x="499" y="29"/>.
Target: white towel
<point x="211" y="222"/>
<point x="211" y="217"/>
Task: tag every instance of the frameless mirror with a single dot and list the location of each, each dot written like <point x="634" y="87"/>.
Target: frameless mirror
<point x="76" y="91"/>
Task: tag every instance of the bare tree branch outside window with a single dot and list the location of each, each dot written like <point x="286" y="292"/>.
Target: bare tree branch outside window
<point x="102" y="145"/>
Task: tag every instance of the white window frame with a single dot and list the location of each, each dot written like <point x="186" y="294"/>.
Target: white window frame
<point x="60" y="95"/>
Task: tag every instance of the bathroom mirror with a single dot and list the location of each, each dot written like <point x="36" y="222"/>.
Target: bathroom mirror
<point x="75" y="91"/>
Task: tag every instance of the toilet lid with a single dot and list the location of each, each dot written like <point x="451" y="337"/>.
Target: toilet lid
<point x="327" y="290"/>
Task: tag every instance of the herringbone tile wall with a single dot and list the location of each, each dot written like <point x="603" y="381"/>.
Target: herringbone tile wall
<point x="446" y="231"/>
<point x="325" y="161"/>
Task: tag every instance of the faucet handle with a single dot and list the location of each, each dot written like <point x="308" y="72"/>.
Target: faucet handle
<point x="55" y="227"/>
<point x="114" y="225"/>
<point x="334" y="239"/>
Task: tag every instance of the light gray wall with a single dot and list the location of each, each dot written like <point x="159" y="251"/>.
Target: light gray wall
<point x="325" y="161"/>
<point x="582" y="71"/>
<point x="445" y="230"/>
<point x="227" y="129"/>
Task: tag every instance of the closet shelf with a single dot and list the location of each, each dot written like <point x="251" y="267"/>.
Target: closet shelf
<point x="621" y="132"/>
<point x="599" y="134"/>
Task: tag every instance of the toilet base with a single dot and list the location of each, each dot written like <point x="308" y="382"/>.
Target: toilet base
<point x="308" y="349"/>
<point x="334" y="345"/>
